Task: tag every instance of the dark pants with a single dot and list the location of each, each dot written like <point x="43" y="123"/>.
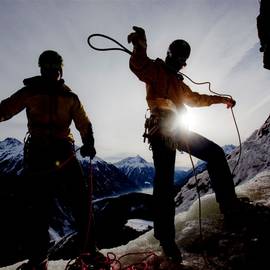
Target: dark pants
<point x="164" y="161"/>
<point x="46" y="180"/>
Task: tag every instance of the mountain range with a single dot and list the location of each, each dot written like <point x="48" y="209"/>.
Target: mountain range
<point x="254" y="159"/>
<point x="142" y="172"/>
<point x="108" y="180"/>
<point x="131" y="173"/>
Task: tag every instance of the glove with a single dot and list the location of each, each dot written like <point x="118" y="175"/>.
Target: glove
<point x="137" y="38"/>
<point x="229" y="102"/>
<point x="88" y="150"/>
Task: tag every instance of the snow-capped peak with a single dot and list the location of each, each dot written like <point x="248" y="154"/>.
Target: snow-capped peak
<point x="134" y="162"/>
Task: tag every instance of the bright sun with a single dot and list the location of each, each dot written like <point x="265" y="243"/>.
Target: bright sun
<point x="187" y="119"/>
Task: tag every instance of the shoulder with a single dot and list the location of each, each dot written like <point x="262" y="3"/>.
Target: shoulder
<point x="67" y="91"/>
<point x="25" y="91"/>
<point x="159" y="62"/>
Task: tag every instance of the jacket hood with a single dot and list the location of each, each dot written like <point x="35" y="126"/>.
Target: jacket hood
<point x="39" y="80"/>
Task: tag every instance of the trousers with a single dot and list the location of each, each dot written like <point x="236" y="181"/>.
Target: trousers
<point x="196" y="145"/>
<point x="47" y="180"/>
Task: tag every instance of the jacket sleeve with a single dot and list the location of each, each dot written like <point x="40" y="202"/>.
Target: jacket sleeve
<point x="142" y="66"/>
<point x="194" y="99"/>
<point x="82" y="122"/>
<point x="13" y="105"/>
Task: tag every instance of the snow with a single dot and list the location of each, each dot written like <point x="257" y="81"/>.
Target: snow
<point x="187" y="224"/>
<point x="11" y="152"/>
<point x="133" y="162"/>
<point x="139" y="224"/>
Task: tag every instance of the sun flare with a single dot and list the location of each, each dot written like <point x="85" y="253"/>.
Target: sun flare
<point x="187" y="120"/>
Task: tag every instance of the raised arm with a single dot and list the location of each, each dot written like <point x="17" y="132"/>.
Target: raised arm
<point x="140" y="64"/>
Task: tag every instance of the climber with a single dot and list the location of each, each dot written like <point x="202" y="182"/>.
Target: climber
<point x="50" y="165"/>
<point x="166" y="95"/>
<point x="263" y="23"/>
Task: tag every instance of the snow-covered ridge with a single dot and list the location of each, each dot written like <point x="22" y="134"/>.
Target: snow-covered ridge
<point x="255" y="158"/>
<point x="230" y="246"/>
<point x="11" y="155"/>
<point x="109" y="179"/>
<point x="135" y="162"/>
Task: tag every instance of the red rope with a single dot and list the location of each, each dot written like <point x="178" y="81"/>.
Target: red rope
<point x="87" y="261"/>
<point x="116" y="264"/>
<point x="90" y="212"/>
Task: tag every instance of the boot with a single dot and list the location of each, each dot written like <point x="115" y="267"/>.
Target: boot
<point x="171" y="251"/>
<point x="238" y="211"/>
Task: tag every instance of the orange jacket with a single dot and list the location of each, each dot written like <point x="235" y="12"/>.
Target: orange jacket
<point x="50" y="109"/>
<point x="162" y="84"/>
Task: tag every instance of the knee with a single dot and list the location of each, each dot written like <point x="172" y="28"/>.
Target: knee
<point x="217" y="153"/>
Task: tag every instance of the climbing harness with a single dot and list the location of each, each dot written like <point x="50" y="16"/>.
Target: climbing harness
<point x="58" y="166"/>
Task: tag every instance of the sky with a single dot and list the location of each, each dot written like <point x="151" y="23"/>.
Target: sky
<point x="225" y="51"/>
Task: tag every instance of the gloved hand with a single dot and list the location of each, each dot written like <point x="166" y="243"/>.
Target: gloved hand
<point x="88" y="150"/>
<point x="229" y="102"/>
<point x="137" y="38"/>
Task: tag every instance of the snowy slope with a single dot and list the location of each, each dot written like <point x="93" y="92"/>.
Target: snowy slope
<point x="225" y="248"/>
<point x="11" y="155"/>
<point x="255" y="154"/>
<point x="255" y="158"/>
<point x="187" y="228"/>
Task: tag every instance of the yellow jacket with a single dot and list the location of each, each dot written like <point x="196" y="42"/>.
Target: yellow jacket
<point x="50" y="109"/>
<point x="164" y="86"/>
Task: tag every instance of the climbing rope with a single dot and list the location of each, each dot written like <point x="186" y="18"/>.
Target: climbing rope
<point x="87" y="261"/>
<point x="233" y="115"/>
<point x="122" y="48"/>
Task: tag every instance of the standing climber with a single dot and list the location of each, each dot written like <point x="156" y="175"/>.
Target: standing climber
<point x="50" y="164"/>
<point x="263" y="24"/>
<point x="166" y="94"/>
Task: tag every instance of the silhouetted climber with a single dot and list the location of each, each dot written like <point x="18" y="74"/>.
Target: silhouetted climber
<point x="263" y="26"/>
<point x="50" y="164"/>
<point x="166" y="94"/>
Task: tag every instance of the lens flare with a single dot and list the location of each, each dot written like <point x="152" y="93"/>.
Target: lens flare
<point x="186" y="120"/>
